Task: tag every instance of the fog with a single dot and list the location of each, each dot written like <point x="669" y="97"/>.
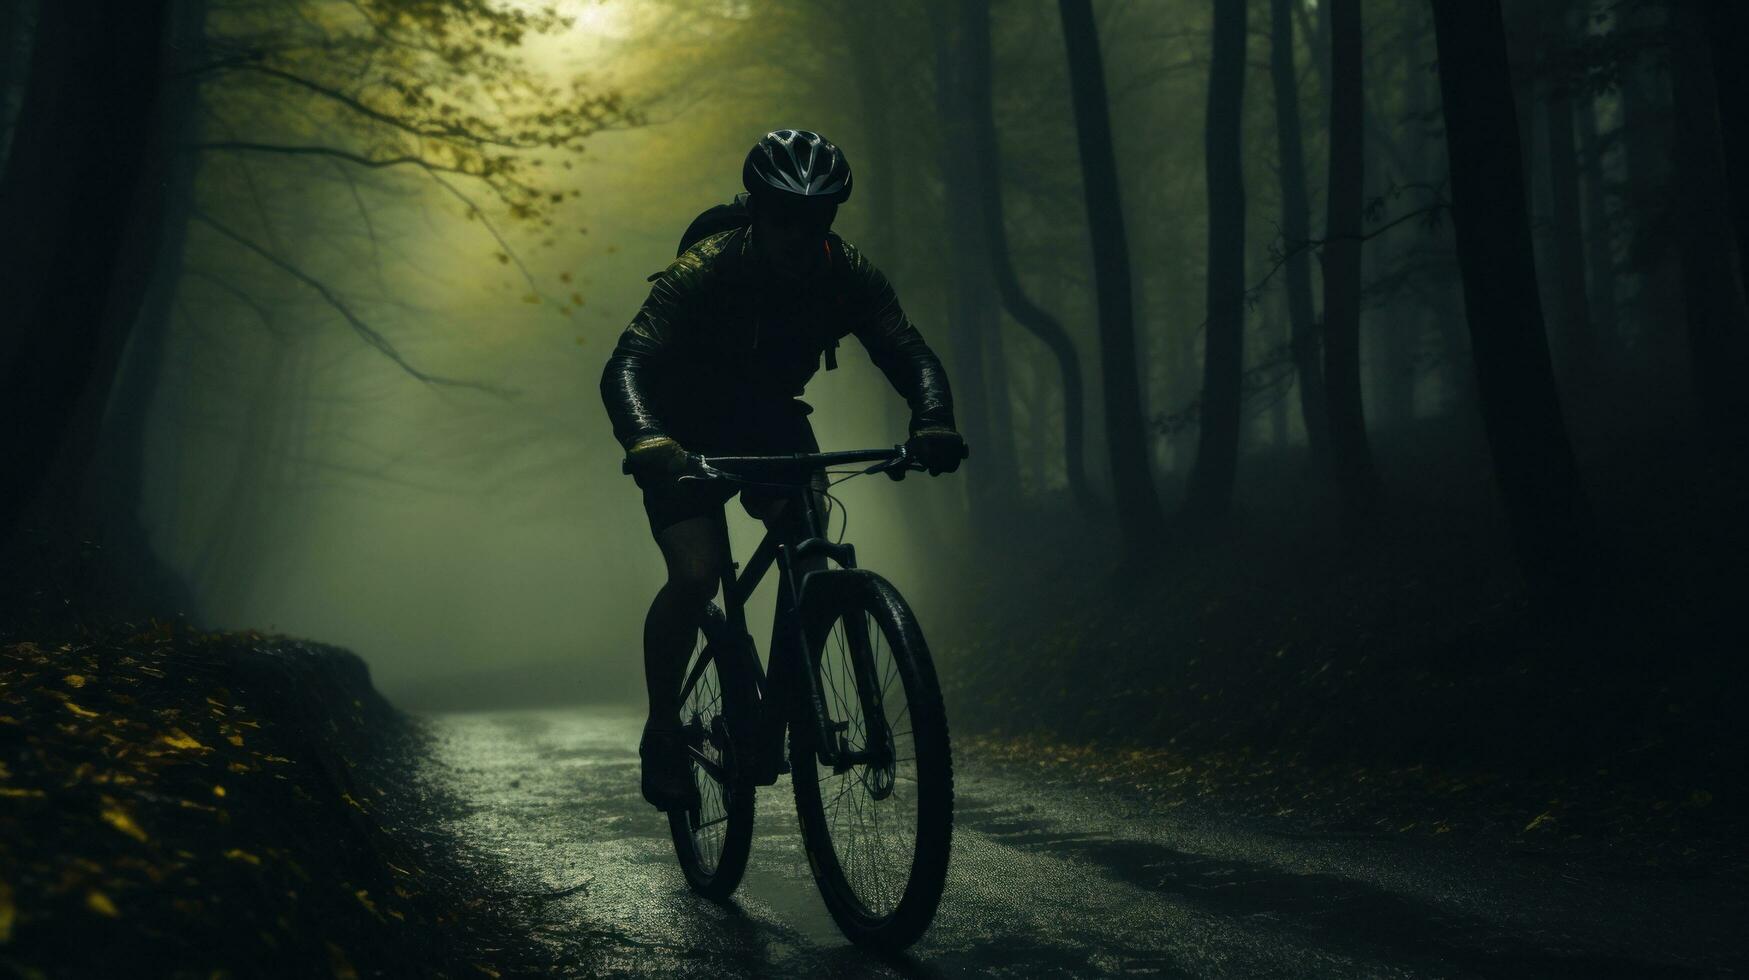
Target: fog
<point x="367" y="310"/>
<point x="307" y="484"/>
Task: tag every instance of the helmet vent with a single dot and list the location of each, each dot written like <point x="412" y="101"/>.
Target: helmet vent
<point x="799" y="162"/>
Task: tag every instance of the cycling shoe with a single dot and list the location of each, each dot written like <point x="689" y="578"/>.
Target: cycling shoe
<point x="667" y="781"/>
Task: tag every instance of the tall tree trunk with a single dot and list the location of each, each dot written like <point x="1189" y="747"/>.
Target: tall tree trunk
<point x="1646" y="135"/>
<point x="1391" y="330"/>
<point x="1728" y="28"/>
<point x="1279" y="428"/>
<point x="1000" y="449"/>
<point x="11" y="42"/>
<point x="862" y="38"/>
<point x="1350" y="453"/>
<point x="1315" y="25"/>
<point x="1296" y="229"/>
<point x="1521" y="412"/>
<point x="14" y="36"/>
<point x="968" y="289"/>
<point x="72" y="174"/>
<point x="976" y="63"/>
<point x="113" y="489"/>
<point x="1577" y="336"/>
<point x="865" y="31"/>
<point x="1132" y="478"/>
<point x="1599" y="236"/>
<point x="1712" y="284"/>
<point x="1217" y="450"/>
<point x="1415" y="315"/>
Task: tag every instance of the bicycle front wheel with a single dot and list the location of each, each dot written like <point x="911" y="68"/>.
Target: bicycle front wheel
<point x="712" y="837"/>
<point x="876" y="801"/>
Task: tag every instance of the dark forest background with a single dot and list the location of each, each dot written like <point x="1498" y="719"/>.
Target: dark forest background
<point x="1358" y="376"/>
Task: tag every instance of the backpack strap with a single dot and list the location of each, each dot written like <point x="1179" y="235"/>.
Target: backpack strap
<point x="831" y="351"/>
<point x="718" y="218"/>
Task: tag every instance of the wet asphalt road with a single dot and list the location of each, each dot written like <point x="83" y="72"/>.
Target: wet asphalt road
<point x="1048" y="880"/>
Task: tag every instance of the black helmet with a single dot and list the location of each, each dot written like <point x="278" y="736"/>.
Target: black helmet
<point x="797" y="162"/>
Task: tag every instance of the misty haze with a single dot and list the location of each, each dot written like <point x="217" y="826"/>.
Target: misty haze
<point x="1341" y="577"/>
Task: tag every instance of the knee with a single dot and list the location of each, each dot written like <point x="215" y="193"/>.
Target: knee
<point x="762" y="507"/>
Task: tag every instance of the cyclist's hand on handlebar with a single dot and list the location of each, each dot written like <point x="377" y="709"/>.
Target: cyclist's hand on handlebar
<point x="936" y="448"/>
<point x="655" y="460"/>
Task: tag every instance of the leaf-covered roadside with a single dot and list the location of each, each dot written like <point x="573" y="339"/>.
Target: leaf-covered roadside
<point x="190" y="803"/>
<point x="1636" y="828"/>
<point x="1396" y="682"/>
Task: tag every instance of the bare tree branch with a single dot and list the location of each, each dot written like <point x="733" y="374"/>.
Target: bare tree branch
<point x="475" y="211"/>
<point x="241" y="295"/>
<point x="331" y="151"/>
<point x="363" y="329"/>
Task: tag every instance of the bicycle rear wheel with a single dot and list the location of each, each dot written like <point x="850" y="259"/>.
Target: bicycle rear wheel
<point x="878" y="822"/>
<point x="712" y="838"/>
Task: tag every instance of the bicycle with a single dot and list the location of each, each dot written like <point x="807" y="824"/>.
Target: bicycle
<point x="869" y="756"/>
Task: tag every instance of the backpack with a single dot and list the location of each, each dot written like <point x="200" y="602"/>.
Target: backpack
<point x="726" y="217"/>
<point x="719" y="218"/>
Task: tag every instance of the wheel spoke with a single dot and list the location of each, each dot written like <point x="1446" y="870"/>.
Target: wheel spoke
<point x="703" y="705"/>
<point x="872" y="830"/>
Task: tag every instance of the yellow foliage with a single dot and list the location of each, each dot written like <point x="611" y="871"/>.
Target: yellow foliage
<point x="238" y="854"/>
<point x="8" y="913"/>
<point x="342" y="967"/>
<point x="81" y="712"/>
<point x="98" y="902"/>
<point x="74" y="680"/>
<point x="179" y="739"/>
<point x="120" y="820"/>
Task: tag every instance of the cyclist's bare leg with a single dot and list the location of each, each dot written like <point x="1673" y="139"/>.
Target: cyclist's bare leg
<point x="695" y="551"/>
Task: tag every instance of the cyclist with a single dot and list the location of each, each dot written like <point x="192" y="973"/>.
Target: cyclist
<point x="714" y="363"/>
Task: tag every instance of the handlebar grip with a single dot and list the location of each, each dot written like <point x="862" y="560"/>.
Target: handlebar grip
<point x="965" y="451"/>
<point x="625" y="466"/>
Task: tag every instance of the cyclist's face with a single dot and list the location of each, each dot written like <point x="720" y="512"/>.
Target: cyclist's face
<point x="791" y="236"/>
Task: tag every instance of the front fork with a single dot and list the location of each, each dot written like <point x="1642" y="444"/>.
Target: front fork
<point x="833" y="737"/>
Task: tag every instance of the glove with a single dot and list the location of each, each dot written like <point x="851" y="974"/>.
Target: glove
<point x="938" y="447"/>
<point x="655" y="460"/>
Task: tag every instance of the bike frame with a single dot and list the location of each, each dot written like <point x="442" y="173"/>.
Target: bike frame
<point x="789" y="692"/>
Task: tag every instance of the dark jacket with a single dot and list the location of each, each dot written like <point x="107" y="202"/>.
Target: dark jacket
<point x="716" y="341"/>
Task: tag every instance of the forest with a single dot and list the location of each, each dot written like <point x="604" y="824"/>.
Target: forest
<point x="1356" y="389"/>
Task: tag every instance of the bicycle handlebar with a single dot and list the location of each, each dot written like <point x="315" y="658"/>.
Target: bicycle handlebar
<point x="799" y="464"/>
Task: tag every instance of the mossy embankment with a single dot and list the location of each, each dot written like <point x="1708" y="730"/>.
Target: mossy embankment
<point x="185" y="803"/>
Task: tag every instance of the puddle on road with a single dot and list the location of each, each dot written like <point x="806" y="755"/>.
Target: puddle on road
<point x="554" y="799"/>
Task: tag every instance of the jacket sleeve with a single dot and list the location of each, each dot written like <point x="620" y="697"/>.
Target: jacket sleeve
<point x="897" y="348"/>
<point x="627" y="383"/>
